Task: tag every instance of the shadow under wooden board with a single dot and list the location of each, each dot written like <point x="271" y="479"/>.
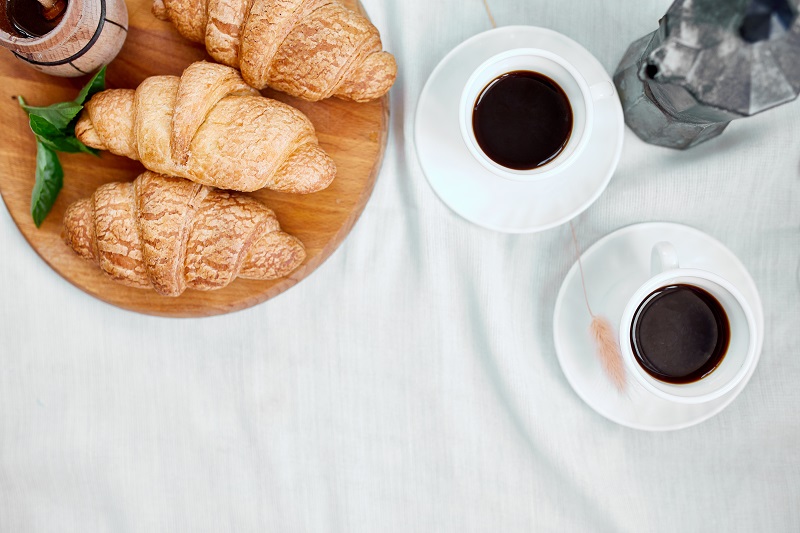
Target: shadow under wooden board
<point x="353" y="134"/>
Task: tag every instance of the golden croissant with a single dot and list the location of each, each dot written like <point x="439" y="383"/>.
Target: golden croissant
<point x="210" y="127"/>
<point x="170" y="234"/>
<point x="312" y="49"/>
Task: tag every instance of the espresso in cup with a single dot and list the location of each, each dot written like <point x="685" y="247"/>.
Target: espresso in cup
<point x="522" y="120"/>
<point x="691" y="335"/>
<point x="526" y="114"/>
<point x="680" y="334"/>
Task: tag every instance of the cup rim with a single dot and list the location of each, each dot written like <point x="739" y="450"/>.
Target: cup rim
<point x="542" y="172"/>
<point x="660" y="280"/>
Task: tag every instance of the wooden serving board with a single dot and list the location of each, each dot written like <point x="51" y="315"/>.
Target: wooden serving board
<point x="353" y="134"/>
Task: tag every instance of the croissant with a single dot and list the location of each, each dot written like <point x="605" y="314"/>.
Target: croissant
<point x="210" y="127"/>
<point x="311" y="49"/>
<point x="170" y="234"/>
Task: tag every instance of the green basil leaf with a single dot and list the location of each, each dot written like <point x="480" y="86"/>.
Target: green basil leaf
<point x="43" y="127"/>
<point x="86" y="149"/>
<point x="69" y="145"/>
<point x="95" y="85"/>
<point x="55" y="139"/>
<point x="49" y="180"/>
<point x="53" y="127"/>
<point x="59" y="115"/>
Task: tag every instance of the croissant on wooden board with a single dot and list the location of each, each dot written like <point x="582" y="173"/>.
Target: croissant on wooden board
<point x="210" y="127"/>
<point x="311" y="49"/>
<point x="170" y="234"/>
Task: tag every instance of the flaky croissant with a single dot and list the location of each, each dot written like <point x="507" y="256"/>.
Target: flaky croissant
<point x="312" y="49"/>
<point x="170" y="234"/>
<point x="210" y="127"/>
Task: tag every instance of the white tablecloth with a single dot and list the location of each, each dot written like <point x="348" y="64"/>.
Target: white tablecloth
<point x="411" y="383"/>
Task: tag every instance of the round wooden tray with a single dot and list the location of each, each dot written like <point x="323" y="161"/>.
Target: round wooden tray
<point x="353" y="134"/>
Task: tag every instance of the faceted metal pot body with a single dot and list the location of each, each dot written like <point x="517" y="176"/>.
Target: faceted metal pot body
<point x="709" y="62"/>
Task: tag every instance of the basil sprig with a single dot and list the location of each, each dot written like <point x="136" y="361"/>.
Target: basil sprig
<point x="49" y="179"/>
<point x="54" y="128"/>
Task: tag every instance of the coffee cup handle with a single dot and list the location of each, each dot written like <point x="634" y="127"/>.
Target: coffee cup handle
<point x="663" y="257"/>
<point x="602" y="89"/>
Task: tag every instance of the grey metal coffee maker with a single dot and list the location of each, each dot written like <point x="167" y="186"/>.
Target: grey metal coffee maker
<point x="709" y="62"/>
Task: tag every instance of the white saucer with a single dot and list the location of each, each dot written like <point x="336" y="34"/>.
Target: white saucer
<point x="614" y="267"/>
<point x="491" y="201"/>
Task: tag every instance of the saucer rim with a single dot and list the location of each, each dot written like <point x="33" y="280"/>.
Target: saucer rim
<point x="729" y="397"/>
<point x="615" y="110"/>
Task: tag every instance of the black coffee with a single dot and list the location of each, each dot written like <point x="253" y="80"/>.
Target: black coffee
<point x="680" y="334"/>
<point x="522" y="120"/>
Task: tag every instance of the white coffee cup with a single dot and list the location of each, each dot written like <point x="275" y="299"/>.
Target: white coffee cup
<point x="581" y="98"/>
<point x="742" y="347"/>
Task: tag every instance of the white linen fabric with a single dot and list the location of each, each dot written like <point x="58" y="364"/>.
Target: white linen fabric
<point x="411" y="383"/>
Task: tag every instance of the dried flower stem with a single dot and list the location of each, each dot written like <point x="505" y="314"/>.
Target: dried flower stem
<point x="602" y="332"/>
<point x="489" y="12"/>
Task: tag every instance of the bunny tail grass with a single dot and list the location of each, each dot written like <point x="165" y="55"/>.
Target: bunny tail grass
<point x="603" y="334"/>
<point x="608" y="351"/>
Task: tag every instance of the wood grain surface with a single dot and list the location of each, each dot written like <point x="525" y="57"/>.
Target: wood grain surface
<point x="353" y="134"/>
